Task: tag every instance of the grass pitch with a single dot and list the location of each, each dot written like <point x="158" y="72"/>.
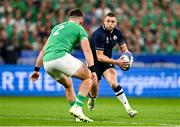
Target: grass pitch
<point x="53" y="111"/>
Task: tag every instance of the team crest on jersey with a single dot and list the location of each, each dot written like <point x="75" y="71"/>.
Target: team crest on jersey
<point x="114" y="37"/>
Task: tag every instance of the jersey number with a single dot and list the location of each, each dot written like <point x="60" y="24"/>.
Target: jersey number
<point x="57" y="31"/>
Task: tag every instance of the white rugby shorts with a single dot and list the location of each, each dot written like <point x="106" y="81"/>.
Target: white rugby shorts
<point x="66" y="65"/>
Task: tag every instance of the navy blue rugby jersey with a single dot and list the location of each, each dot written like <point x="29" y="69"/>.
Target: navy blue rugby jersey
<point x="104" y="40"/>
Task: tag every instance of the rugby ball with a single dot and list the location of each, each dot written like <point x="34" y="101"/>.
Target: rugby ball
<point x="127" y="56"/>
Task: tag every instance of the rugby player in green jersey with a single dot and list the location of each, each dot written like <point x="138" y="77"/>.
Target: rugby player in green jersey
<point x="61" y="65"/>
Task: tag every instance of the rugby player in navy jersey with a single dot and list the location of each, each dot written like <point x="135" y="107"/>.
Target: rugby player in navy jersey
<point x="102" y="42"/>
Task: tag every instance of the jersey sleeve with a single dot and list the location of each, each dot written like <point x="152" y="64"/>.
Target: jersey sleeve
<point x="98" y="40"/>
<point x="120" y="37"/>
<point x="83" y="33"/>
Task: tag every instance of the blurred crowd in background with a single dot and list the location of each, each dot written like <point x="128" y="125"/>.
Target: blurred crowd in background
<point x="149" y="26"/>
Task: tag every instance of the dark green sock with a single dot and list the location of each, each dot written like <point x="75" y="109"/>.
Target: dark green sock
<point x="72" y="103"/>
<point x="80" y="100"/>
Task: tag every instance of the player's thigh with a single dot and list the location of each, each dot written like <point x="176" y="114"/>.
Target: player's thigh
<point x="54" y="73"/>
<point x="82" y="73"/>
<point x="110" y="75"/>
<point x="63" y="79"/>
<point x="67" y="65"/>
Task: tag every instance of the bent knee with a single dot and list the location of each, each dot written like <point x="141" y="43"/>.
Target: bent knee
<point x="87" y="75"/>
<point x="66" y="82"/>
<point x="83" y="73"/>
<point x="89" y="81"/>
<point x="68" y="86"/>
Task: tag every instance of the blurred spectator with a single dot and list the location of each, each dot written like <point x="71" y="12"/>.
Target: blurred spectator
<point x="7" y="48"/>
<point x="150" y="26"/>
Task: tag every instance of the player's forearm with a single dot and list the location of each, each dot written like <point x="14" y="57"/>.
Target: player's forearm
<point x="124" y="48"/>
<point x="87" y="52"/>
<point x="89" y="58"/>
<point x="105" y="59"/>
<point x="39" y="60"/>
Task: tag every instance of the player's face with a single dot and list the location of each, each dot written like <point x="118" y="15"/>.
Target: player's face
<point x="110" y="23"/>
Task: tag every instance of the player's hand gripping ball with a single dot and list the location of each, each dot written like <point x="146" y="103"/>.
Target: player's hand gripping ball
<point x="127" y="57"/>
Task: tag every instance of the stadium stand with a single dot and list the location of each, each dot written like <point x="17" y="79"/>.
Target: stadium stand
<point x="149" y="26"/>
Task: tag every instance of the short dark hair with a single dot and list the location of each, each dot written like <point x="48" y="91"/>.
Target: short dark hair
<point x="75" y="13"/>
<point x="111" y="14"/>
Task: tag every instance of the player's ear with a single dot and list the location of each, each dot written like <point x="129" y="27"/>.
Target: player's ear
<point x="116" y="23"/>
<point x="81" y="21"/>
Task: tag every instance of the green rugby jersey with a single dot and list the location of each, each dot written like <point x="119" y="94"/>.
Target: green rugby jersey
<point x="63" y="38"/>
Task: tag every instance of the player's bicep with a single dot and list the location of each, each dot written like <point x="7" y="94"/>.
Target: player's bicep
<point x="82" y="34"/>
<point x="85" y="44"/>
<point x="121" y="39"/>
<point x="98" y="42"/>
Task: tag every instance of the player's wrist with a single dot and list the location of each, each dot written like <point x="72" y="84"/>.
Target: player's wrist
<point x="36" y="69"/>
<point x="92" y="68"/>
<point x="115" y="61"/>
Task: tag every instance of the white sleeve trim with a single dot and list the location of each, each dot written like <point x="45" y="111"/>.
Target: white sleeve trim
<point x="99" y="48"/>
